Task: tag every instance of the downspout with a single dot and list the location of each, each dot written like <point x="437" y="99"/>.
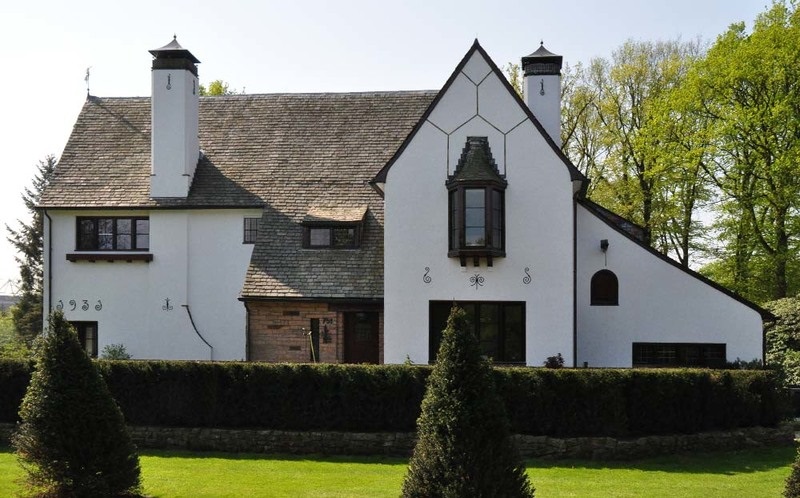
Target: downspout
<point x="49" y="267"/>
<point x="188" y="287"/>
<point x="574" y="282"/>
<point x="210" y="347"/>
<point x="246" y="332"/>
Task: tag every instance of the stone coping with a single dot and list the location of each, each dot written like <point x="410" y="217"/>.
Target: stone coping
<point x="402" y="443"/>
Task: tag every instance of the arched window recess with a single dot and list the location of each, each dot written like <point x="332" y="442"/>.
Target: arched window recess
<point x="604" y="289"/>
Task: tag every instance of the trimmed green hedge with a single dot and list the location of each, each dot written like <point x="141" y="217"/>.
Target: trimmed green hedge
<point x="540" y="401"/>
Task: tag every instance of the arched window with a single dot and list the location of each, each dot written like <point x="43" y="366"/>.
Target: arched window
<point x="605" y="289"/>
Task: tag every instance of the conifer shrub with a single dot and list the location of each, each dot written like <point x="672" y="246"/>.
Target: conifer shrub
<point x="464" y="446"/>
<point x="792" y="489"/>
<point x="72" y="440"/>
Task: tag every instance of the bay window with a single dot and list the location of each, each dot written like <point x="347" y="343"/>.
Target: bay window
<point x="476" y="205"/>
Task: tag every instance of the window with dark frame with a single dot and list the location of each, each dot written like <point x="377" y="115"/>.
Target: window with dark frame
<point x="664" y="354"/>
<point x="339" y="236"/>
<point x="250" y="230"/>
<point x="499" y="326"/>
<point x="113" y="234"/>
<point x="604" y="289"/>
<point x="87" y="336"/>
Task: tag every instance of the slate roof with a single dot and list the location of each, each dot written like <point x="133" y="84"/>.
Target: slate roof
<point x="290" y="153"/>
<point x="476" y="163"/>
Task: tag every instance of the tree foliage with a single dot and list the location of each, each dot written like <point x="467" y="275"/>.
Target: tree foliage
<point x="27" y="240"/>
<point x="747" y="89"/>
<point x="464" y="446"/>
<point x="783" y="338"/>
<point x="618" y="128"/>
<point x="514" y="76"/>
<point x="73" y="440"/>
<point x="216" y="88"/>
<point x="11" y="346"/>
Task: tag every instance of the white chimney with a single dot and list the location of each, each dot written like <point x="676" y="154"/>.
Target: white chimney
<point x="175" y="145"/>
<point x="542" y="89"/>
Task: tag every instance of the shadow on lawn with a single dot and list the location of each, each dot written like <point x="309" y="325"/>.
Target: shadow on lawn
<point x="727" y="463"/>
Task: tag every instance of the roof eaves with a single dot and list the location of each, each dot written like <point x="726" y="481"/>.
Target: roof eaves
<point x="151" y="207"/>
<point x="381" y="176"/>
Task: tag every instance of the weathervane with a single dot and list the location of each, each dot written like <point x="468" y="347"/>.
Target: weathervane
<point x="86" y="79"/>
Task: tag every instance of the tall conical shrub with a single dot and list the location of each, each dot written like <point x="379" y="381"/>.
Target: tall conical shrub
<point x="72" y="440"/>
<point x="464" y="446"/>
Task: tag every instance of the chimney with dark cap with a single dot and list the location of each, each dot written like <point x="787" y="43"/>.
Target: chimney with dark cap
<point x="175" y="145"/>
<point x="542" y="86"/>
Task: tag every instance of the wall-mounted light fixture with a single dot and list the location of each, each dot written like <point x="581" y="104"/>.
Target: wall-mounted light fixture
<point x="604" y="248"/>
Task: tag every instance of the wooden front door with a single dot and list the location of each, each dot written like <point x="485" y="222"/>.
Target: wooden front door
<point x="361" y="337"/>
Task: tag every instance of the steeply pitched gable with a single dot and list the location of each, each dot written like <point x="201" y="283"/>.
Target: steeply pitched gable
<point x="465" y="67"/>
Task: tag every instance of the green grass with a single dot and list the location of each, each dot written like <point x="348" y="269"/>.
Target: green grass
<point x="751" y="473"/>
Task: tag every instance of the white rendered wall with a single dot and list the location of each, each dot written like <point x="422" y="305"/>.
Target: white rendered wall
<point x="657" y="303"/>
<point x="543" y="96"/>
<point x="175" y="142"/>
<point x="199" y="264"/>
<point x="539" y="224"/>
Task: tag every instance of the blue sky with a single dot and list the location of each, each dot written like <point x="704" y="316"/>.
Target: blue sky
<point x="289" y="46"/>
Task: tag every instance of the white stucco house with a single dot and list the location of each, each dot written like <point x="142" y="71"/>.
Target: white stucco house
<point x="342" y="227"/>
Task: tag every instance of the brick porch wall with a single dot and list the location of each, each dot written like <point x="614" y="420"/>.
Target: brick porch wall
<point x="277" y="332"/>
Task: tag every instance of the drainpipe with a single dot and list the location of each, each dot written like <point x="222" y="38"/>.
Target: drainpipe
<point x="49" y="269"/>
<point x="247" y="332"/>
<point x="210" y="347"/>
<point x="574" y="282"/>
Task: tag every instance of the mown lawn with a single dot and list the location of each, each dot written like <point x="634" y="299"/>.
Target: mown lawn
<point x="751" y="473"/>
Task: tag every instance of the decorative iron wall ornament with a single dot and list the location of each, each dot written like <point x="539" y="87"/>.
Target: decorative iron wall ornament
<point x="426" y="278"/>
<point x="167" y="306"/>
<point x="476" y="281"/>
<point x="527" y="278"/>
<point x="73" y="303"/>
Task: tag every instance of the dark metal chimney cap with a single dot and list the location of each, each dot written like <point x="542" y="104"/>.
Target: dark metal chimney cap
<point x="174" y="50"/>
<point x="542" y="61"/>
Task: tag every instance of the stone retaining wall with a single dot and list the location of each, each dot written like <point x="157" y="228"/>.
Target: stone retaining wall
<point x="401" y="444"/>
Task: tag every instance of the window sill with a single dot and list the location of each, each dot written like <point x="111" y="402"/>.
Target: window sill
<point x="109" y="257"/>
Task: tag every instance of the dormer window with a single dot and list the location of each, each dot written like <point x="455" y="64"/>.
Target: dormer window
<point x="476" y="219"/>
<point x="333" y="228"/>
<point x="331" y="237"/>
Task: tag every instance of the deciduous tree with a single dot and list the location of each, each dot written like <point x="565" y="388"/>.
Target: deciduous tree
<point x="748" y="89"/>
<point x="216" y="88"/>
<point x="619" y="127"/>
